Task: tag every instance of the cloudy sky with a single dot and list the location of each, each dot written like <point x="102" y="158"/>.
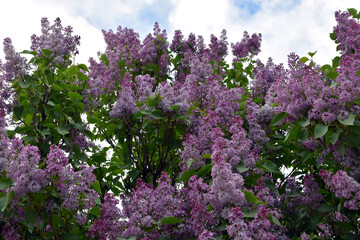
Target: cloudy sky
<point x="286" y="25"/>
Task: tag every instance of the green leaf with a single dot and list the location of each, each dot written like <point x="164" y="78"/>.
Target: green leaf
<point x="186" y="175"/>
<point x="51" y="103"/>
<point x="304" y="59"/>
<point x="5" y="183"/>
<point x="189" y="162"/>
<point x="156" y="114"/>
<point x="171" y="220"/>
<point x="335" y="62"/>
<point x="311" y="54"/>
<point x="29" y="52"/>
<point x="294" y="194"/>
<point x="341" y="149"/>
<point x="23" y="84"/>
<point x="358" y="72"/>
<point x="241" y="167"/>
<point x="95" y="210"/>
<point x="320" y="130"/>
<point x="44" y="132"/>
<point x="46" y="51"/>
<point x="62" y="130"/>
<point x="305" y="123"/>
<point x="4" y="201"/>
<point x="207" y="156"/>
<point x="175" y="107"/>
<point x="333" y="137"/>
<point x="250" y="197"/>
<point x="153" y="100"/>
<point x="325" y="208"/>
<point x="275" y="220"/>
<point x="96" y="186"/>
<point x="204" y="170"/>
<point x="349" y="121"/>
<point x="271" y="167"/>
<point x="352" y="11"/>
<point x="293" y="133"/>
<point x="83" y="67"/>
<point x="332" y="36"/>
<point x="75" y="96"/>
<point x="30" y="216"/>
<point x="18" y="110"/>
<point x="278" y="118"/>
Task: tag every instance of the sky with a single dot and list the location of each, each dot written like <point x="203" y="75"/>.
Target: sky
<point x="299" y="26"/>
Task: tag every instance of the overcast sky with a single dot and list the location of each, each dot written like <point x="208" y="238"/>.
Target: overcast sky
<point x="286" y="25"/>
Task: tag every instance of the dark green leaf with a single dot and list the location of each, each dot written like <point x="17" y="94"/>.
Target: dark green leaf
<point x="333" y="137"/>
<point x="75" y="96"/>
<point x="30" y="216"/>
<point x="332" y="36"/>
<point x="293" y="133"/>
<point x="341" y="148"/>
<point x="320" y="130"/>
<point x="4" y="201"/>
<point x="156" y="114"/>
<point x="23" y="84"/>
<point x="325" y="208"/>
<point x="18" y="110"/>
<point x="250" y="197"/>
<point x="186" y="175"/>
<point x="96" y="186"/>
<point x="278" y="118"/>
<point x="171" y="220"/>
<point x="5" y="183"/>
<point x="62" y="130"/>
<point x="271" y="167"/>
<point x="335" y="62"/>
<point x="95" y="210"/>
<point x="204" y="170"/>
<point x="294" y="194"/>
<point x="275" y="220"/>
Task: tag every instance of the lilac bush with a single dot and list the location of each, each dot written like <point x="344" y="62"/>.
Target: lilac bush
<point x="192" y="147"/>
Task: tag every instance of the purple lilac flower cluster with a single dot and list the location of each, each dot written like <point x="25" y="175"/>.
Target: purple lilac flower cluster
<point x="58" y="40"/>
<point x="343" y="186"/>
<point x="108" y="224"/>
<point x="246" y="46"/>
<point x="73" y="188"/>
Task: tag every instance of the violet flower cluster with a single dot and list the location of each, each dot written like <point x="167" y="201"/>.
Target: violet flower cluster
<point x="58" y="40"/>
